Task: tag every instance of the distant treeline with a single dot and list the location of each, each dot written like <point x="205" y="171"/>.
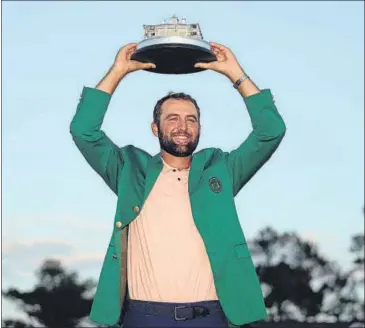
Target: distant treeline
<point x="286" y="264"/>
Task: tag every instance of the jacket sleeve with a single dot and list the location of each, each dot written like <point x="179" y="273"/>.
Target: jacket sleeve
<point x="96" y="147"/>
<point x="268" y="132"/>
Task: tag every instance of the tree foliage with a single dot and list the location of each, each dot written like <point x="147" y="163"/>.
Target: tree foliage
<point x="299" y="283"/>
<point x="58" y="300"/>
<point x="302" y="284"/>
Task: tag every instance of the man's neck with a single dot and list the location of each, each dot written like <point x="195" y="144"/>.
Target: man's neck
<point x="180" y="163"/>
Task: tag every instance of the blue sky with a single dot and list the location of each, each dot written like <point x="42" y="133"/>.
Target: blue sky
<point x="310" y="54"/>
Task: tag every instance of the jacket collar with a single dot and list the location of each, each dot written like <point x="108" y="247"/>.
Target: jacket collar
<point x="154" y="168"/>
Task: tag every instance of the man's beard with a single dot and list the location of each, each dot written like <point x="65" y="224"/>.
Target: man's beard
<point x="169" y="146"/>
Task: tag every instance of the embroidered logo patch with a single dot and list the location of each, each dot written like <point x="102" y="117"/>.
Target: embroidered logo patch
<point x="215" y="185"/>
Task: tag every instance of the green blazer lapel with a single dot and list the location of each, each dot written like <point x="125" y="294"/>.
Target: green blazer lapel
<point x="196" y="170"/>
<point x="154" y="168"/>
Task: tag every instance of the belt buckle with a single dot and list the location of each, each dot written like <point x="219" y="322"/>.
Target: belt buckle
<point x="175" y="314"/>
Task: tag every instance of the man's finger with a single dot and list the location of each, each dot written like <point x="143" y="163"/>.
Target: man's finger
<point x="129" y="50"/>
<point x="216" y="51"/>
<point x="219" y="46"/>
<point x="202" y="65"/>
<point x="130" y="46"/>
<point x="148" y="65"/>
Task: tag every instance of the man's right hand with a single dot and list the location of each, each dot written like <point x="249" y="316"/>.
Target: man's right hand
<point x="123" y="62"/>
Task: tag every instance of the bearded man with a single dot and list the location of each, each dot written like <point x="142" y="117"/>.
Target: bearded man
<point x="177" y="255"/>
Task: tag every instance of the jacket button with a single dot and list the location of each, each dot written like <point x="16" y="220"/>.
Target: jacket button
<point x="118" y="224"/>
<point x="136" y="209"/>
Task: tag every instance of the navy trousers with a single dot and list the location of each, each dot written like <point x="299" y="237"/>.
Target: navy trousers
<point x="169" y="315"/>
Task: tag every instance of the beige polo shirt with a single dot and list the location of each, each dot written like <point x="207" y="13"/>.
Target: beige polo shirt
<point x="167" y="260"/>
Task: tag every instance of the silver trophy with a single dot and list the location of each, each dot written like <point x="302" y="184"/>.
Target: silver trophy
<point x="174" y="47"/>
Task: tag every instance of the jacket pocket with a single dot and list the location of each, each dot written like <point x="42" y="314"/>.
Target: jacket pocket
<point x="241" y="251"/>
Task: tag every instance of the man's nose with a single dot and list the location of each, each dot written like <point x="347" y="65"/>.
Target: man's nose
<point x="182" y="125"/>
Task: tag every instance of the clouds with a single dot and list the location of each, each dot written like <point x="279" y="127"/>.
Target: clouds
<point x="78" y="242"/>
<point x="35" y="227"/>
<point x="84" y="261"/>
<point x="314" y="236"/>
<point x="22" y="259"/>
<point x="33" y="249"/>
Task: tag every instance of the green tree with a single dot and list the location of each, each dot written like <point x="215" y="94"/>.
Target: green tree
<point x="301" y="283"/>
<point x="350" y="298"/>
<point x="357" y="248"/>
<point x="58" y="300"/>
<point x="15" y="324"/>
<point x="346" y="303"/>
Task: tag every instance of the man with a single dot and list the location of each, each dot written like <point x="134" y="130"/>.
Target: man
<point x="177" y="239"/>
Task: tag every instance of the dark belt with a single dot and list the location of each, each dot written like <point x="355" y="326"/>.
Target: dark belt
<point x="189" y="312"/>
<point x="178" y="312"/>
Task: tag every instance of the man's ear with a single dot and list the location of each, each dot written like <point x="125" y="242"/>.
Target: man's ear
<point x="154" y="129"/>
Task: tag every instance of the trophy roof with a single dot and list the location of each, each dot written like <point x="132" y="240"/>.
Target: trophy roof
<point x="173" y="27"/>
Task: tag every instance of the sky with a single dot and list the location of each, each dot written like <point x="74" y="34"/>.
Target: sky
<point x="309" y="54"/>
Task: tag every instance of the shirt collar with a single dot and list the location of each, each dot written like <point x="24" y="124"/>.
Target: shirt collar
<point x="169" y="168"/>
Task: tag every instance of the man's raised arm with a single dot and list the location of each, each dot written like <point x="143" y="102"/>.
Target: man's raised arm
<point x="96" y="147"/>
<point x="268" y="126"/>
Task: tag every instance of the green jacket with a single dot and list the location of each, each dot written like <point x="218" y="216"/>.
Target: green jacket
<point x="131" y="173"/>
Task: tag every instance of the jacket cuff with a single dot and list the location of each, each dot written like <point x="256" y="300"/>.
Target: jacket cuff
<point x="259" y="100"/>
<point x="95" y="97"/>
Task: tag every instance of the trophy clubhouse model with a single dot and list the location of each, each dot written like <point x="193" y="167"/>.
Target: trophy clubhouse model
<point x="174" y="47"/>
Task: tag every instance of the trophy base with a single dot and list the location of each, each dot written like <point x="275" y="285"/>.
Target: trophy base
<point x="174" y="55"/>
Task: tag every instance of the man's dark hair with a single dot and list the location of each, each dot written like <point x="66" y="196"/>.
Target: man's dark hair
<point x="172" y="95"/>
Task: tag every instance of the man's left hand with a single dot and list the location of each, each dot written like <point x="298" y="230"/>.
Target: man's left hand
<point x="225" y="64"/>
